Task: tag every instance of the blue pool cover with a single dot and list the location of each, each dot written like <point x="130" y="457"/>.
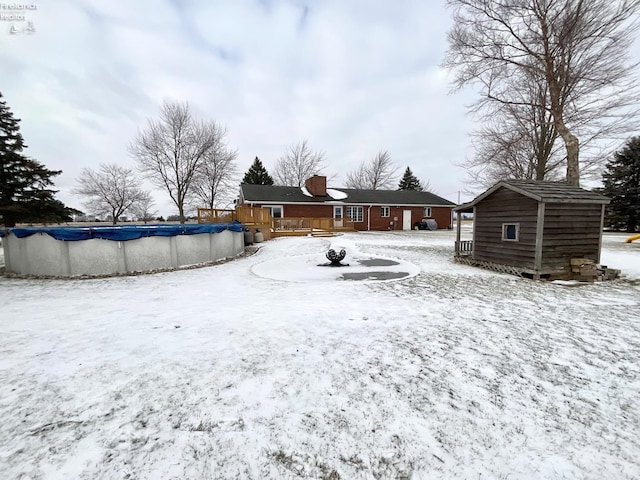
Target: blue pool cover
<point x="125" y="232"/>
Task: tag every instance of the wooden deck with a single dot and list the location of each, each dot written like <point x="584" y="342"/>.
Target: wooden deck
<point x="260" y="218"/>
<point x="300" y="226"/>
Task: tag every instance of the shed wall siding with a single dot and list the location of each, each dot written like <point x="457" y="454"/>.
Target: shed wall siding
<point x="570" y="231"/>
<point x="505" y="206"/>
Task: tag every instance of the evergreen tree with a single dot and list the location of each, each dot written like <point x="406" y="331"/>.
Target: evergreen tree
<point x="621" y="180"/>
<point x="25" y="195"/>
<point x="409" y="181"/>
<point x="257" y="174"/>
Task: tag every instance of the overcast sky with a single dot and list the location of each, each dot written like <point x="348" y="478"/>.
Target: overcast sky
<point x="351" y="77"/>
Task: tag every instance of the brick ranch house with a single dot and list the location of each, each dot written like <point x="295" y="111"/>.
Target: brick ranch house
<point x="361" y="210"/>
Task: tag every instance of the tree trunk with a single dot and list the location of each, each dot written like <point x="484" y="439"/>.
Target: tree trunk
<point x="570" y="140"/>
<point x="573" y="158"/>
<point x="572" y="146"/>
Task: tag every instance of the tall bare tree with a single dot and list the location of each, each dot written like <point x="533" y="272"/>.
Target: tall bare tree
<point x="170" y="150"/>
<point x="515" y="141"/>
<point x="297" y="165"/>
<point x="216" y="178"/>
<point x="379" y="173"/>
<point x="111" y="190"/>
<point x="575" y="50"/>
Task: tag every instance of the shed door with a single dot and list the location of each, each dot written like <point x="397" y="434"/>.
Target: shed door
<point x="406" y="219"/>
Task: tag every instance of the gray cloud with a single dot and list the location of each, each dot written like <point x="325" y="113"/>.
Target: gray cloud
<point x="352" y="77"/>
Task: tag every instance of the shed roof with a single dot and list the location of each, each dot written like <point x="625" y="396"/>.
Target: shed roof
<point x="279" y="194"/>
<point x="545" y="192"/>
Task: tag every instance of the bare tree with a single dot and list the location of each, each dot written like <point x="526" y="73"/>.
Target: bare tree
<point x="425" y="186"/>
<point x="358" y="178"/>
<point x="216" y="178"/>
<point x="575" y="50"/>
<point x="297" y="165"/>
<point x="515" y="142"/>
<point x="111" y="190"/>
<point x="143" y="208"/>
<point x="171" y="150"/>
<point x="377" y="174"/>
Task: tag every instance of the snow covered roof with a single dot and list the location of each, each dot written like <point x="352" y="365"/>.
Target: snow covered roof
<point x="279" y="194"/>
<point x="546" y="192"/>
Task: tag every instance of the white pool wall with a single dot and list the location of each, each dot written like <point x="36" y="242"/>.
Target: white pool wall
<point x="41" y="254"/>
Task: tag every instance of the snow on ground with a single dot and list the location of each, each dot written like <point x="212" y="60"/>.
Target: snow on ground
<point x="223" y="372"/>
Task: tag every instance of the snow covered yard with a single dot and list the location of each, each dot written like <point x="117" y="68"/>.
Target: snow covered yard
<point x="233" y="371"/>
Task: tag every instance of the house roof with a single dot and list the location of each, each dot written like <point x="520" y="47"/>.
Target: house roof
<point x="545" y="192"/>
<point x="277" y="194"/>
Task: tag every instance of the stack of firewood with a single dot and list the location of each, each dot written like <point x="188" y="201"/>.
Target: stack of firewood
<point x="586" y="270"/>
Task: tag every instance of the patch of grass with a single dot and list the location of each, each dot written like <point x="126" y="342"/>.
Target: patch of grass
<point x="288" y="461"/>
<point x="353" y="461"/>
<point x="204" y="426"/>
<point x="295" y="463"/>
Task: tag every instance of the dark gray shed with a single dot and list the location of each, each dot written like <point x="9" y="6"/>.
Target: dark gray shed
<point x="532" y="228"/>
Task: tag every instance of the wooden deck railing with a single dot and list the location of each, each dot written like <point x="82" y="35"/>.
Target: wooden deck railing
<point x="253" y="216"/>
<point x="216" y="215"/>
<point x="464" y="248"/>
<point x="246" y="215"/>
<point x="297" y="224"/>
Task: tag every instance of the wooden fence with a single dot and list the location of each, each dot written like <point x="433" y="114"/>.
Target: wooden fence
<point x="254" y="215"/>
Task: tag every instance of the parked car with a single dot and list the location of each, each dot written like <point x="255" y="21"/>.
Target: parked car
<point x="426" y="224"/>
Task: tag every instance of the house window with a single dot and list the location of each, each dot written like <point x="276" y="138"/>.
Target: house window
<point x="385" y="212"/>
<point x="510" y="232"/>
<point x="276" y="210"/>
<point x="355" y="214"/>
<point x="427" y="212"/>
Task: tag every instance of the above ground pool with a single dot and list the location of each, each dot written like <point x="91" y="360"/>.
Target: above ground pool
<point x="110" y="250"/>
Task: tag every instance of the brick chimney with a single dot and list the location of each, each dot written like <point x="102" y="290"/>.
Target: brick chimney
<point x="317" y="185"/>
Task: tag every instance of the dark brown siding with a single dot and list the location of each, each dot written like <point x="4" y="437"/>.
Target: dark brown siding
<point x="505" y="206"/>
<point x="570" y="231"/>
